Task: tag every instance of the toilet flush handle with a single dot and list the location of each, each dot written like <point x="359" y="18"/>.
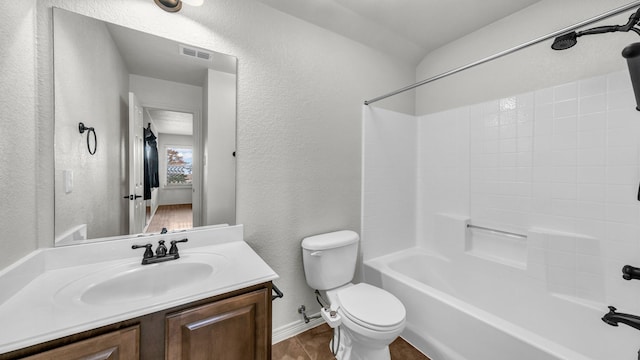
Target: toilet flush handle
<point x="316" y="253"/>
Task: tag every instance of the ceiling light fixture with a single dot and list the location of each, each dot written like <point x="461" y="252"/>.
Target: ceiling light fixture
<point x="176" y="5"/>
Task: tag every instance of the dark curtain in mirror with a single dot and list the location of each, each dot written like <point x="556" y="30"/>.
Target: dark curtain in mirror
<point x="151" y="179"/>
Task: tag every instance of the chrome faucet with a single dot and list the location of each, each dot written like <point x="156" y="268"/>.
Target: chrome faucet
<point x="161" y="252"/>
<point x="613" y="318"/>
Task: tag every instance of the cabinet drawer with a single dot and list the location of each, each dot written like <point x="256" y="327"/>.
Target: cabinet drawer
<point x="116" y="345"/>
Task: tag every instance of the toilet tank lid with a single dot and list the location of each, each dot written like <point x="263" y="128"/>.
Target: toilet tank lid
<point x="330" y="240"/>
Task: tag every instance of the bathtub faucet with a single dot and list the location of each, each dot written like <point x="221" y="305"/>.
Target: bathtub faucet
<point x="629" y="272"/>
<point x="613" y="318"/>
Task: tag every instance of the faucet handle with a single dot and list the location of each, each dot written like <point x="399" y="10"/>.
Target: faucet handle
<point x="174" y="248"/>
<point x="612" y="310"/>
<point x="148" y="253"/>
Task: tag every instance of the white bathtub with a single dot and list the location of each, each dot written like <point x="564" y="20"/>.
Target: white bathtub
<point x="475" y="310"/>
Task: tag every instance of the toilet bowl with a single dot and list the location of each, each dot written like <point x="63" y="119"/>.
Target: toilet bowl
<point x="369" y="318"/>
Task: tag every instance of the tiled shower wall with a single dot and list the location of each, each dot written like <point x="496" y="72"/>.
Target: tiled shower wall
<point x="561" y="162"/>
<point x="564" y="158"/>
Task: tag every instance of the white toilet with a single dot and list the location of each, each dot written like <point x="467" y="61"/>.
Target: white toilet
<point x="367" y="318"/>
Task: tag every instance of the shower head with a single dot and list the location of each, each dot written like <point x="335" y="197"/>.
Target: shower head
<point x="568" y="40"/>
<point x="565" y="41"/>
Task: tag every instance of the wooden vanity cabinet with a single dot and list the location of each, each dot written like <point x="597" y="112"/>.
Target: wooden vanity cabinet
<point x="231" y="329"/>
<point x="231" y="326"/>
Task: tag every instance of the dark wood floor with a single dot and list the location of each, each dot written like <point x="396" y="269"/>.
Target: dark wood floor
<point x="313" y="344"/>
<point x="172" y="217"/>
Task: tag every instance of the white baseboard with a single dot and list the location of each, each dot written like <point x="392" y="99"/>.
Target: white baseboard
<point x="292" y="329"/>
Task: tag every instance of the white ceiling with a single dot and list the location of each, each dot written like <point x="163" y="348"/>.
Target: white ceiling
<point x="406" y="28"/>
<point x="156" y="57"/>
<point x="171" y="122"/>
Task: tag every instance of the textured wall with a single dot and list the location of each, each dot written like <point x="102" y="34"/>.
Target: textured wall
<point x="18" y="164"/>
<point x="300" y="92"/>
<point x="533" y="68"/>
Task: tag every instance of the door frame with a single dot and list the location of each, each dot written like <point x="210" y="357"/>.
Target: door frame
<point x="198" y="168"/>
<point x="137" y="217"/>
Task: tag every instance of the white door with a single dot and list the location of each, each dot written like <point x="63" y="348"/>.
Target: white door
<point x="136" y="166"/>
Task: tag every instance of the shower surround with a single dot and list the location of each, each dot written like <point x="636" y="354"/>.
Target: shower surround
<point x="559" y="166"/>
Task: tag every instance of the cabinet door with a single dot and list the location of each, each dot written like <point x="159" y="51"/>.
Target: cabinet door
<point x="232" y="329"/>
<point x="117" y="345"/>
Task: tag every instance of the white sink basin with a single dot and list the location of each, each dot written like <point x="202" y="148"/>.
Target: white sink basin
<point x="129" y="281"/>
<point x="145" y="282"/>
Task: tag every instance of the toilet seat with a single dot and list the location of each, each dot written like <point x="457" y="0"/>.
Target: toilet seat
<point x="371" y="307"/>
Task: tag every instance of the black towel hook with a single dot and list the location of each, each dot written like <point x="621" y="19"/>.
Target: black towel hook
<point x="82" y="128"/>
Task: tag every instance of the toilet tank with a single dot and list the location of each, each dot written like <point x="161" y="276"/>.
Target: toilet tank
<point x="330" y="259"/>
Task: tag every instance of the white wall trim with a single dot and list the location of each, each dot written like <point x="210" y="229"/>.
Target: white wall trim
<point x="294" y="328"/>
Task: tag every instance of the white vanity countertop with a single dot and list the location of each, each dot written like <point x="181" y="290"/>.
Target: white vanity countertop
<point x="39" y="300"/>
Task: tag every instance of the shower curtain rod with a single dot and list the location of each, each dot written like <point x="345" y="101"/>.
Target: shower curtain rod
<point x="511" y="50"/>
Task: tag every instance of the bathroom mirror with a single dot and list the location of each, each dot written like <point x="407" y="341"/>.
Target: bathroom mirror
<point x="145" y="132"/>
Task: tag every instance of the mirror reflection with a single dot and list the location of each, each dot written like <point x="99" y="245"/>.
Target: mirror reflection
<point x="161" y="152"/>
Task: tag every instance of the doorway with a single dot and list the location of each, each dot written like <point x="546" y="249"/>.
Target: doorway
<point x="172" y="202"/>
